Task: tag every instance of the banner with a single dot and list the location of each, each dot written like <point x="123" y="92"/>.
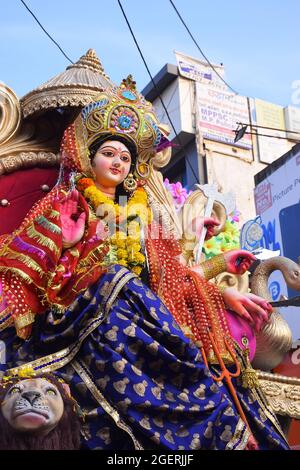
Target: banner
<point x="200" y="71"/>
<point x="277" y="202"/>
<point x="218" y="113"/>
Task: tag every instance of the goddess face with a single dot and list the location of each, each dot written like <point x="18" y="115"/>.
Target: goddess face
<point x="33" y="406"/>
<point x="111" y="163"/>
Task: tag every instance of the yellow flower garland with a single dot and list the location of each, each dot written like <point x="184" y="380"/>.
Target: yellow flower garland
<point x="125" y="242"/>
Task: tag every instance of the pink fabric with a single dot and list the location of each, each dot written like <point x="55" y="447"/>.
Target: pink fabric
<point x="239" y="328"/>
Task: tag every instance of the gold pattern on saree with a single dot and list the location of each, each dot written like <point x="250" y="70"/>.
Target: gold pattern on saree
<point x="59" y="359"/>
<point x="116" y="292"/>
<point x="103" y="381"/>
<point x="120" y="365"/>
<point x="105" y="404"/>
<point x="54" y="214"/>
<point x="168" y="436"/>
<point x="144" y="422"/>
<point x="6" y="322"/>
<point x="121" y="385"/>
<point x="114" y="283"/>
<point x="140" y="388"/>
<point x="23" y="320"/>
<point x="241" y="435"/>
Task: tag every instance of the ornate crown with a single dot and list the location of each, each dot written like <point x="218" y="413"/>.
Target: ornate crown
<point x="121" y="111"/>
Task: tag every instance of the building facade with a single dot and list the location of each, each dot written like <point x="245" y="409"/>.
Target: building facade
<point x="204" y="115"/>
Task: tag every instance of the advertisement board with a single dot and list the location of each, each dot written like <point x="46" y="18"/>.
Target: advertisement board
<point x="277" y="200"/>
<point x="218" y="112"/>
<point x="200" y="71"/>
<point x="292" y="121"/>
<point x="270" y="115"/>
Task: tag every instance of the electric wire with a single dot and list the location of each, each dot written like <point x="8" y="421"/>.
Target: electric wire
<point x="200" y="50"/>
<point x="156" y="88"/>
<point x="46" y="32"/>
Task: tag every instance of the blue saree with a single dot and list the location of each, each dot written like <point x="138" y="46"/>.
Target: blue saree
<point x="139" y="381"/>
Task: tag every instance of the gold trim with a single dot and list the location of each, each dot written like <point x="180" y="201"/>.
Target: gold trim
<point x="119" y="287"/>
<point x="19" y="272"/>
<point x="92" y="256"/>
<point x="9" y="321"/>
<point x="24" y="320"/>
<point x="54" y="214"/>
<point x="62" y="357"/>
<point x="25" y="160"/>
<point x="260" y="397"/>
<point x="107" y="407"/>
<point x="42" y="239"/>
<point x="282" y="393"/>
<point x="238" y="436"/>
<point x="113" y="283"/>
<point x="48" y="225"/>
<point x="278" y="378"/>
<point x="27" y="260"/>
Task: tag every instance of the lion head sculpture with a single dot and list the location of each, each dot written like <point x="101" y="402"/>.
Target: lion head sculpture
<point x="37" y="413"/>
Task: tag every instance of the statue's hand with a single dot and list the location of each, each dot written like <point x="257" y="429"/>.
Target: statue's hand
<point x="72" y="222"/>
<point x="198" y="223"/>
<point x="252" y="308"/>
<point x="238" y="261"/>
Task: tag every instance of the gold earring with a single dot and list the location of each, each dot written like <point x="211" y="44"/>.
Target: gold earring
<point x="130" y="183"/>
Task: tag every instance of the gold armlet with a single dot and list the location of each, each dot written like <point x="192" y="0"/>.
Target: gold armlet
<point x="214" y="266"/>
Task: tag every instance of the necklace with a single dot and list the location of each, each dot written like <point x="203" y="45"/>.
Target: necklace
<point x="125" y="223"/>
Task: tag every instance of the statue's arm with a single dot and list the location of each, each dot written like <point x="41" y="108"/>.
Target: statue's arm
<point x="208" y="269"/>
<point x="233" y="261"/>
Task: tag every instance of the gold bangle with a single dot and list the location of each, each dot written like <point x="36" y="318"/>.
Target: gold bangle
<point x="214" y="266"/>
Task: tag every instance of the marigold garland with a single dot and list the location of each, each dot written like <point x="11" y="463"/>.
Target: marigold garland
<point x="125" y="246"/>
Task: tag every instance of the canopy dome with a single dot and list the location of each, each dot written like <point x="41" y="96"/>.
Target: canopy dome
<point x="77" y="86"/>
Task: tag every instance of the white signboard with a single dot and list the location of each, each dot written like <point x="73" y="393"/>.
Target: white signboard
<point x="218" y="113"/>
<point x="292" y="121"/>
<point x="200" y="71"/>
<point x="277" y="199"/>
<point x="270" y="115"/>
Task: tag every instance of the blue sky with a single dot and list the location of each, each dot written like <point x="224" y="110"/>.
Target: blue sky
<point x="257" y="41"/>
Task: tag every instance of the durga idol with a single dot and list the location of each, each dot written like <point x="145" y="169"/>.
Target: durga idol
<point x="94" y="289"/>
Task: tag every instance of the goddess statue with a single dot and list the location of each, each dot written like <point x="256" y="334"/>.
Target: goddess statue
<point x="95" y="289"/>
